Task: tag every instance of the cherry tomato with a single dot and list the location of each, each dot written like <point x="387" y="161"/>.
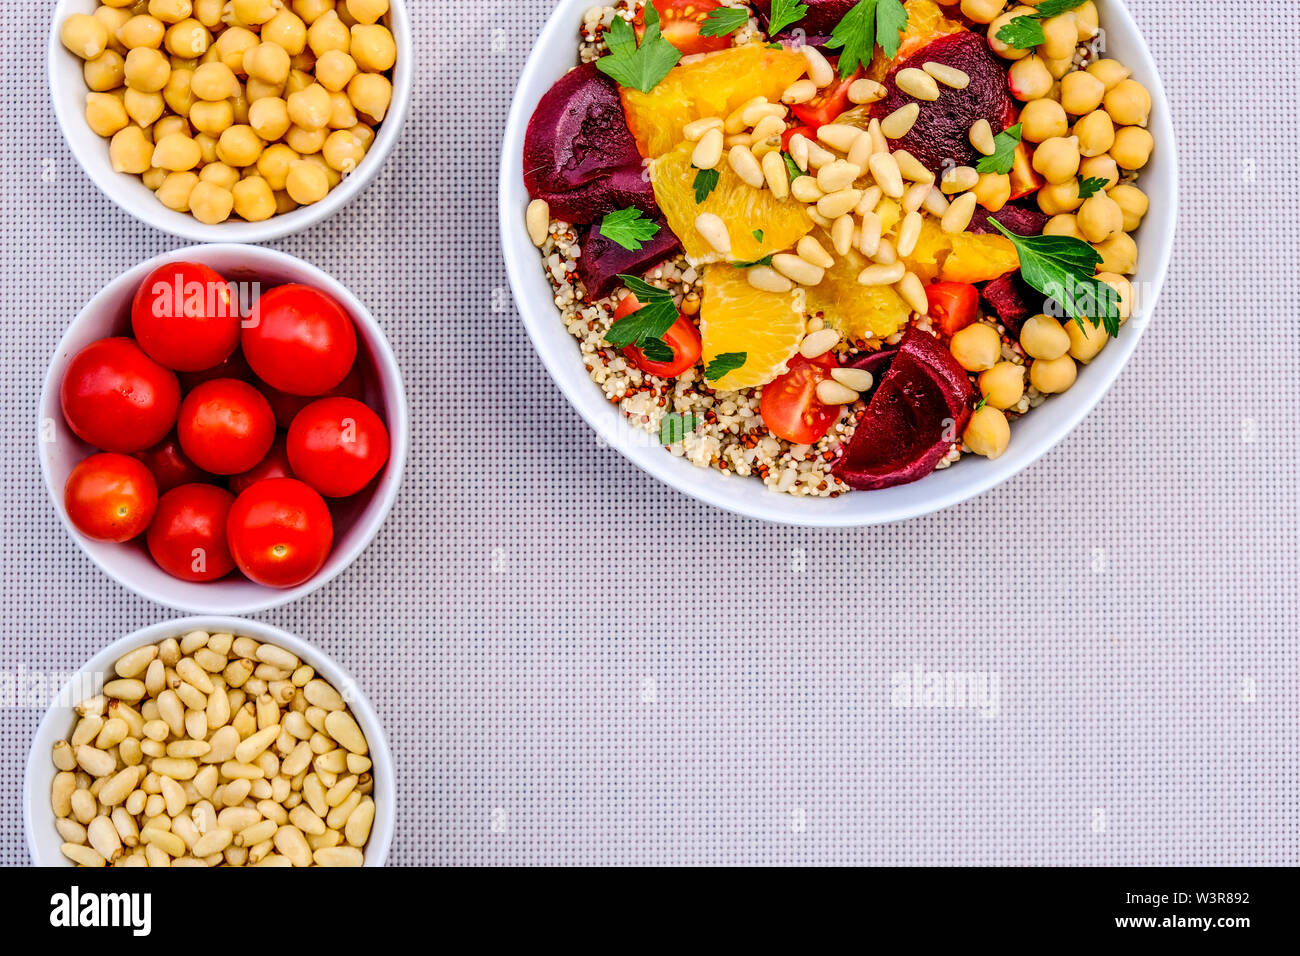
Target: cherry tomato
<point x="287" y="407"/>
<point x="790" y="407"/>
<point x="682" y="337"/>
<point x="187" y="536"/>
<point x="110" y="497"/>
<point x="234" y="367"/>
<point x="274" y="465"/>
<point x="806" y="131"/>
<point x="953" y="305"/>
<point x="680" y="22"/>
<point x="117" y="398"/>
<point x="827" y="104"/>
<point x="1024" y="179"/>
<point x="280" y="532"/>
<point x="226" y="426"/>
<point x="337" y="445"/>
<point x="169" y="466"/>
<point x="299" y="340"/>
<point x="186" y="317"/>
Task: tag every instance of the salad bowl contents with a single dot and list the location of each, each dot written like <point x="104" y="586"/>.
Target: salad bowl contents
<point x="838" y="246"/>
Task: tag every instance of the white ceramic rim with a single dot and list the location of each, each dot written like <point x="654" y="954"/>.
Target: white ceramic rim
<point x="67" y="86"/>
<point x="397" y="415"/>
<point x="40" y="771"/>
<point x="561" y="357"/>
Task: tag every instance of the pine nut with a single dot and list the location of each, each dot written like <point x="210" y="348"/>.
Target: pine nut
<point x="959" y="214"/>
<point x="900" y="122"/>
<point x="61" y="790"/>
<point x="947" y="75"/>
<point x="805" y="189"/>
<point x="752" y="114"/>
<point x="842" y="235"/>
<point x="881" y="274"/>
<point x="768" y="128"/>
<point x="878" y="142"/>
<point x="912" y="292"/>
<point x="871" y="197"/>
<point x="746" y="166"/>
<point x="837" y="175"/>
<point x="134" y="663"/>
<point x="812" y="213"/>
<point x="799" y="150"/>
<point x="909" y="233"/>
<point x="858" y="379"/>
<point x="190" y="672"/>
<point x="768" y="280"/>
<point x="911" y="168"/>
<point x="866" y="91"/>
<point x="886" y="254"/>
<point x="103" y="837"/>
<point x="801" y="91"/>
<point x="338" y="856"/>
<point x="917" y="83"/>
<point x="861" y="149"/>
<point x="357" y="829"/>
<point x="714" y="231"/>
<point x="127" y="689"/>
<point x="290" y="841"/>
<point x="869" y="234"/>
<point x="735" y="120"/>
<point x="838" y="136"/>
<point x="959" y="179"/>
<point x="792" y="267"/>
<point x="884" y="169"/>
<point x="818" y="343"/>
<point x="810" y="250"/>
<point x="834" y="393"/>
<point x="737" y="139"/>
<point x="538" y="221"/>
<point x="97" y="763"/>
<point x="774" y="172"/>
<point x="935" y="204"/>
<point x="914" y="196"/>
<point x="82" y="855"/>
<point x="164" y="840"/>
<point x="708" y="151"/>
<point x="192" y="641"/>
<point x="819" y="70"/>
<point x="838" y="203"/>
<point x="695" y="130"/>
<point x="981" y="137"/>
<point x="343" y="728"/>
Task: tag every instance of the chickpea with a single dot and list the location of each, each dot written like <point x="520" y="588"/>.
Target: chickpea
<point x="1057" y="158"/>
<point x="286" y="30"/>
<point x="335" y="70"/>
<point x="211" y="204"/>
<point x="332" y="176"/>
<point x="269" y="118"/>
<point x="213" y="117"/>
<point x="366" y="11"/>
<point x="306" y="141"/>
<point x="239" y="103"/>
<point x="1124" y="289"/>
<point x="1061" y="36"/>
<point x="1086" y="340"/>
<point x="304" y="62"/>
<point x="1100" y="218"/>
<point x="976" y="347"/>
<point x="1003" y="385"/>
<point x="267" y="62"/>
<point x="176" y="153"/>
<point x="1056" y="198"/>
<point x="1029" y="78"/>
<point x="342" y="115"/>
<point x="187" y="39"/>
<point x="1058" y="68"/>
<point x="231" y="46"/>
<point x="174" y="193"/>
<point x="105" y="72"/>
<point x="1064" y="224"/>
<point x="1128" y="103"/>
<point x="310" y="108"/>
<point x="373" y="47"/>
<point x="1086" y="21"/>
<point x="219" y="173"/>
<point x="284" y="203"/>
<point x="208" y="147"/>
<point x="239" y="146"/>
<point x="306" y="182"/>
<point x="130" y="151"/>
<point x="1043" y="119"/>
<point x="254" y="199"/>
<point x="1133" y="202"/>
<point x="190" y="63"/>
<point x="371" y="94"/>
<point x="84" y="36"/>
<point x="153" y="178"/>
<point x="105" y="114"/>
<point x="1081" y="92"/>
<point x="987" y="433"/>
<point x="144" y="108"/>
<point x="343" y="151"/>
<point x="208" y="12"/>
<point x="364" y="133"/>
<point x="113" y="19"/>
<point x="171" y="11"/>
<point x="1000" y="48"/>
<point x="328" y="33"/>
<point x="1095" y="133"/>
<point x="169" y="125"/>
<point x="1110" y="72"/>
<point x="1132" y="147"/>
<point x="253" y="12"/>
<point x="1119" y="254"/>
<point x="214" y="81"/>
<point x="177" y="93"/>
<point x="993" y="191"/>
<point x="1051" y="376"/>
<point x="1100" y="167"/>
<point x="142" y="30"/>
<point x="298" y="81"/>
<point x="146" y="70"/>
<point x="273" y="165"/>
<point x="255" y="90"/>
<point x="312" y="10"/>
<point x="1042" y="337"/>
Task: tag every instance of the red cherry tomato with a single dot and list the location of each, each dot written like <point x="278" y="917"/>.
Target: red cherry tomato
<point x="337" y="445"/>
<point x="234" y="367"/>
<point x="682" y="337"/>
<point x="117" y="398"/>
<point x="187" y="536"/>
<point x="287" y="407"/>
<point x="806" y="131"/>
<point x="680" y="22"/>
<point x="280" y="532"/>
<point x="186" y="317"/>
<point x="299" y="340"/>
<point x="110" y="497"/>
<point x="1024" y="180"/>
<point x="790" y="407"/>
<point x="953" y="305"/>
<point x="274" y="465"/>
<point x="169" y="466"/>
<point x="826" y="105"/>
<point x="226" y="426"/>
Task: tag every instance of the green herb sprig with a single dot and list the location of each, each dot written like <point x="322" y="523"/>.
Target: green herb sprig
<point x="628" y="227"/>
<point x="1062" y="268"/>
<point x="869" y="23"/>
<point x="640" y="67"/>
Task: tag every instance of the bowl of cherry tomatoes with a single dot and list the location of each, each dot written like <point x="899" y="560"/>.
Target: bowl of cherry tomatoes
<point x="223" y="429"/>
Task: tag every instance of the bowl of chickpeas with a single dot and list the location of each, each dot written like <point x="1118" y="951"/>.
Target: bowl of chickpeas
<point x="231" y="120"/>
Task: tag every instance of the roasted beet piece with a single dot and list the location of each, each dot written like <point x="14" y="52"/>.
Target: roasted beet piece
<point x="816" y="26"/>
<point x="1020" y="219"/>
<point x="1012" y="300"/>
<point x="617" y="190"/>
<point x="602" y="260"/>
<point x="941" y="135"/>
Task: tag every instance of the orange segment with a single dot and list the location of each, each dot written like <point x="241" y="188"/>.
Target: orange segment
<point x="976" y="258"/>
<point x="710" y="84"/>
<point x="857" y="311"/>
<point x="925" y="22"/>
<point x="744" y="209"/>
<point x="736" y="317"/>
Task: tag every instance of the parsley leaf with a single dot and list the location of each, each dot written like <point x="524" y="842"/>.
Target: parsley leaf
<point x="640" y="67"/>
<point x="706" y="180"/>
<point x="869" y="23"/>
<point x="724" y="363"/>
<point x="1054" y="8"/>
<point x="891" y="21"/>
<point x="758" y="235"/>
<point x="1023" y="33"/>
<point x="648" y="323"/>
<point x="1004" y="152"/>
<point x="673" y="427"/>
<point x="657" y="350"/>
<point x="784" y="13"/>
<point x="1062" y="268"/>
<point x="791" y="167"/>
<point x="1088" y="187"/>
<point x="628" y="227"/>
<point x="724" y="20"/>
<point x="765" y="261"/>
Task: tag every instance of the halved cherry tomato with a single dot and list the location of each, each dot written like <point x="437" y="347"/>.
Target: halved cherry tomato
<point x="169" y="465"/>
<point x="186" y="317"/>
<point x="953" y="305"/>
<point x="226" y="426"/>
<point x="110" y="497"/>
<point x="790" y="407"/>
<point x="682" y="337"/>
<point x="826" y="105"/>
<point x="187" y="537"/>
<point x="1024" y="180"/>
<point x="337" y="445"/>
<point x="680" y="22"/>
<point x="117" y="398"/>
<point x="274" y="465"/>
<point x="807" y="131"/>
<point x="280" y="532"/>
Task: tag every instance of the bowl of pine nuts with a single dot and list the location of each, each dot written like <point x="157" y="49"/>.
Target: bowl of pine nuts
<point x="239" y="121"/>
<point x="210" y="741"/>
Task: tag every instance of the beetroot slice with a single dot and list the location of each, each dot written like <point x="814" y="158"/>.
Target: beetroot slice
<point x="617" y="190"/>
<point x="602" y="260"/>
<point x="918" y="411"/>
<point x="817" y="24"/>
<point x="1020" y="219"/>
<point x="941" y="134"/>
<point x="1012" y="300"/>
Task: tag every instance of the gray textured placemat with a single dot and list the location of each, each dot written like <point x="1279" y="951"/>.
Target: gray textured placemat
<point x="576" y="664"/>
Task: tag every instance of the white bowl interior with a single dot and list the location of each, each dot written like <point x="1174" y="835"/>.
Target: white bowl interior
<point x="1031" y="436"/>
<point x="68" y="90"/>
<point x="356" y="519"/>
<point x="43" y="840"/>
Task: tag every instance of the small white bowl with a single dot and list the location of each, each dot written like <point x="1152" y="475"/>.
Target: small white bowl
<point x="68" y="90"/>
<point x="43" y="840"/>
<point x="356" y="520"/>
<point x="1031" y="436"/>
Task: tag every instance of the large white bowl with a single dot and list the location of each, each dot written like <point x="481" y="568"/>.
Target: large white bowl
<point x="68" y="90"/>
<point x="43" y="840"/>
<point x="356" y="520"/>
<point x="1031" y="436"/>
